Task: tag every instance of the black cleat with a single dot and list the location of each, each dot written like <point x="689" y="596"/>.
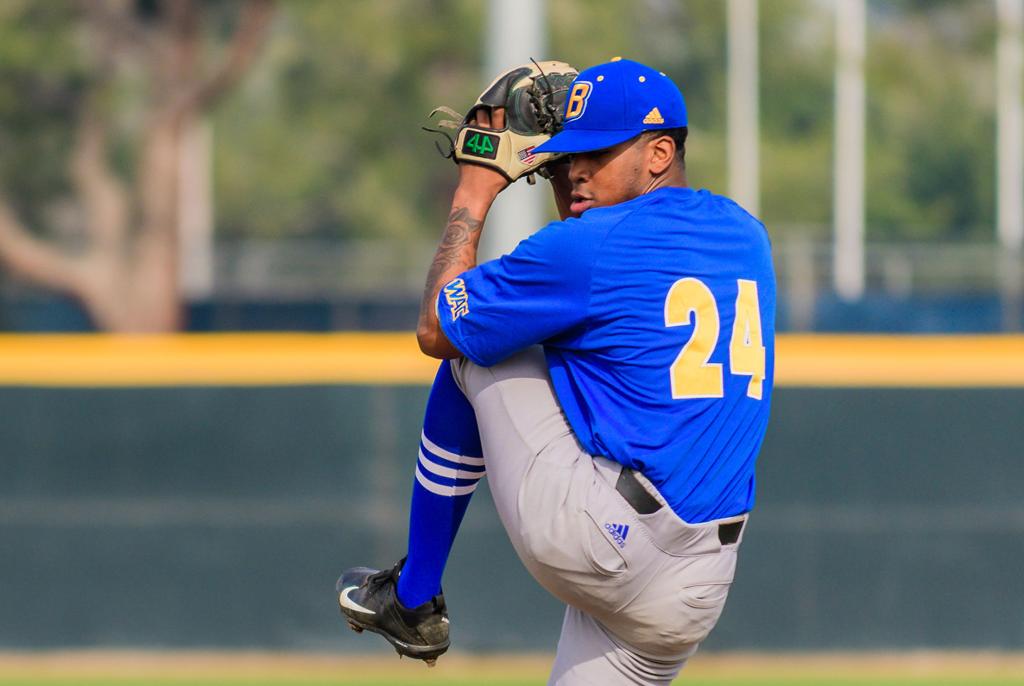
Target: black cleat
<point x="369" y="601"/>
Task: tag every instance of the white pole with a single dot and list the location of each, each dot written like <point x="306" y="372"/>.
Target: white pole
<point x="744" y="154"/>
<point x="516" y="31"/>
<point x="848" y="191"/>
<point x="1010" y="160"/>
<point x="195" y="199"/>
<point x="1010" y="125"/>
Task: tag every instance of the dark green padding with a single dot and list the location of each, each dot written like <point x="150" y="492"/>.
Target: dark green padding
<point x="221" y="517"/>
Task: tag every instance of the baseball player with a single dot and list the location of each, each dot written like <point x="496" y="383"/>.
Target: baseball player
<point x="612" y="375"/>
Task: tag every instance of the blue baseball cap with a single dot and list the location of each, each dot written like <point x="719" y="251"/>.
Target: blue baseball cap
<point x="613" y="102"/>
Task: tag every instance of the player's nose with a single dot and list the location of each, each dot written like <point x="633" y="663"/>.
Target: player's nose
<point x="578" y="169"/>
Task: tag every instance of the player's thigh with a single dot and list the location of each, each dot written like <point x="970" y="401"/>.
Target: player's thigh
<point x="560" y="513"/>
<point x="541" y="481"/>
<point x="588" y="654"/>
<point x="519" y="420"/>
<point x="517" y="413"/>
<point x="515" y="398"/>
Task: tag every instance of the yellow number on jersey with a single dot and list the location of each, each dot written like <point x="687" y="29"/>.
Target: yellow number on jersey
<point x="690" y="301"/>
<point x="746" y="350"/>
<point x="692" y="375"/>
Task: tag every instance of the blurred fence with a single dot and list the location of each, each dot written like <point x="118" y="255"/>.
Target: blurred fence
<point x="310" y="269"/>
<point x="319" y="285"/>
<point x="162" y="515"/>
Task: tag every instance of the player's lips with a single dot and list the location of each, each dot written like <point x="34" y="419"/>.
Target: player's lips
<point x="580" y="203"/>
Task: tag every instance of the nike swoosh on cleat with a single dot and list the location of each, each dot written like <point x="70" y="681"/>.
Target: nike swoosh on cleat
<point x="345" y="601"/>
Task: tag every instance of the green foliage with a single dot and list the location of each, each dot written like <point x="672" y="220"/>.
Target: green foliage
<point x="43" y="79"/>
<point x="931" y="122"/>
<point x="323" y="137"/>
<point x="797" y="108"/>
<point x="686" y="40"/>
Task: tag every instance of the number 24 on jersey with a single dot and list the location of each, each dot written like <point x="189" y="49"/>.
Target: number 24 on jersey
<point x="690" y="301"/>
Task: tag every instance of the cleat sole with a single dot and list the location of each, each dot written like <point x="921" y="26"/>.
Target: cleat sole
<point x="428" y="654"/>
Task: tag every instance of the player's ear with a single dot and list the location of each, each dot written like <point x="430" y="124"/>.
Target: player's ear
<point x="661" y="153"/>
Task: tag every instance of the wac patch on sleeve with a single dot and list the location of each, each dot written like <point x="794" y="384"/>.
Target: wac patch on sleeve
<point x="457" y="298"/>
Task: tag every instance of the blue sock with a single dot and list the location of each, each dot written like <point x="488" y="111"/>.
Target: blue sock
<point x="449" y="468"/>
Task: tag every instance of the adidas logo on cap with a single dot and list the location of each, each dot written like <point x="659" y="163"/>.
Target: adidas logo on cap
<point x="654" y="117"/>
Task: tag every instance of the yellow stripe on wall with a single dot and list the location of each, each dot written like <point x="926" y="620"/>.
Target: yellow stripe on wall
<point x="257" y="359"/>
<point x="213" y="360"/>
<point x="893" y="361"/>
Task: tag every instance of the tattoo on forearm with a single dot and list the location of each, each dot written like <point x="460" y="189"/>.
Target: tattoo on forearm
<point x="460" y="232"/>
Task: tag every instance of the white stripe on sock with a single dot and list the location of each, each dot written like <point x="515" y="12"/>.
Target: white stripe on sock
<point x="441" y="470"/>
<point x="441" y="452"/>
<point x="448" y="491"/>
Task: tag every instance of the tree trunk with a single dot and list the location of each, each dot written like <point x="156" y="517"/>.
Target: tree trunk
<point x="128" y="280"/>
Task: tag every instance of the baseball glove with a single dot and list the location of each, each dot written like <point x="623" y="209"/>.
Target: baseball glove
<point x="533" y="96"/>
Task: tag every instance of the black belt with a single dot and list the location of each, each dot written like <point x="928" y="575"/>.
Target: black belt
<point x="635" y="494"/>
<point x="630" y="488"/>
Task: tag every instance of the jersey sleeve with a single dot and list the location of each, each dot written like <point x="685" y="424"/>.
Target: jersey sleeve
<point x="538" y="291"/>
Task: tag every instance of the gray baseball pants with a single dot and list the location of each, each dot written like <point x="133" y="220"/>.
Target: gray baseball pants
<point x="638" y="605"/>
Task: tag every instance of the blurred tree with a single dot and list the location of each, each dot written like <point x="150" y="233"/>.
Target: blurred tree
<point x="324" y="139"/>
<point x="323" y="136"/>
<point x="109" y="88"/>
<point x="931" y="120"/>
<point x="797" y="91"/>
<point x="685" y="38"/>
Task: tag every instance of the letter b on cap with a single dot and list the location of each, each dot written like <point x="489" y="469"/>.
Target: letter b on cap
<point x="577" y="101"/>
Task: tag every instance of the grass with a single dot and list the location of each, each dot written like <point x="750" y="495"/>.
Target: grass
<point x="211" y="669"/>
<point x="228" y="681"/>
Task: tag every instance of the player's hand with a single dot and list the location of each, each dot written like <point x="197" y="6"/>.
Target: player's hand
<point x="478" y="180"/>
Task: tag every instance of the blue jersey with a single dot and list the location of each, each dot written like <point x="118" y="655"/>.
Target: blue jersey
<point x="657" y="318"/>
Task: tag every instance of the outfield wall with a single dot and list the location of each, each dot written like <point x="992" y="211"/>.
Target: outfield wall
<point x="205" y="491"/>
